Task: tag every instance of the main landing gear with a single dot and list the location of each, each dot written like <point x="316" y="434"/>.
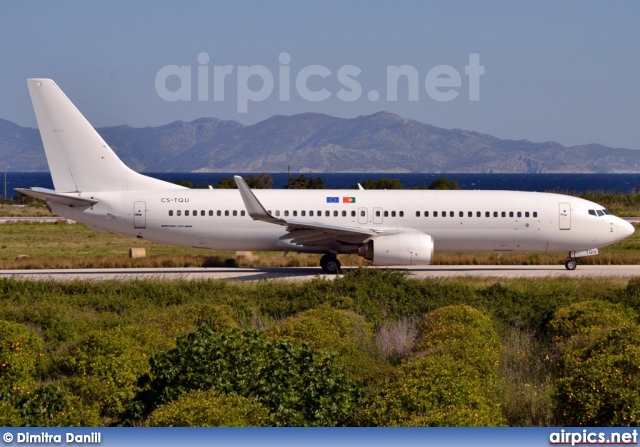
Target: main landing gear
<point x="330" y="264"/>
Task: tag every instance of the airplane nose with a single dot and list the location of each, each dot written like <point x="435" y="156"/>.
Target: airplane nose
<point x="625" y="229"/>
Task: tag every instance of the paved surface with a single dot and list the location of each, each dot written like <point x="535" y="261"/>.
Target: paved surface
<point x="307" y="273"/>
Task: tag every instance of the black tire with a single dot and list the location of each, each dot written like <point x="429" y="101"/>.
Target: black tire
<point x="330" y="264"/>
<point x="571" y="264"/>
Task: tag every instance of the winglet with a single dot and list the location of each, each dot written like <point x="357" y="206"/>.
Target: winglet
<point x="253" y="205"/>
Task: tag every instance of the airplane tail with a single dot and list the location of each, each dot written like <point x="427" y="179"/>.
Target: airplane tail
<point x="79" y="159"/>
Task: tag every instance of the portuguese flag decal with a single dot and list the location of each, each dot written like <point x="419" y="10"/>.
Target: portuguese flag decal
<point x="348" y="200"/>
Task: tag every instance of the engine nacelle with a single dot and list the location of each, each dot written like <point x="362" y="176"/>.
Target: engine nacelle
<point x="399" y="249"/>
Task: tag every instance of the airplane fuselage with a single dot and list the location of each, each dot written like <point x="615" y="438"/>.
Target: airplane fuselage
<point x="456" y="220"/>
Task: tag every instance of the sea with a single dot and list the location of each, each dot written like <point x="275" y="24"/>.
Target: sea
<point x="567" y="183"/>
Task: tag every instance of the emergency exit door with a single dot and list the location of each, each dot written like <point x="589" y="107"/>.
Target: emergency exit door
<point x="565" y="216"/>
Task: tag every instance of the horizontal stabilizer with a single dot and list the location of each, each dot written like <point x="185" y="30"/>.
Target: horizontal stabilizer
<point x="55" y="197"/>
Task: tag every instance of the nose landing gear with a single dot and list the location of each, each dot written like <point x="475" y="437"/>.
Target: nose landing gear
<point x="330" y="264"/>
<point x="570" y="263"/>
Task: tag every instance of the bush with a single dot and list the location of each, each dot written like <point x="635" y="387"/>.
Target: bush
<point x="342" y="332"/>
<point x="20" y="351"/>
<point x="603" y="387"/>
<point x="297" y="384"/>
<point x="103" y="368"/>
<point x="435" y="391"/>
<point x="50" y="406"/>
<point x="465" y="334"/>
<point x="209" y="409"/>
<point x="453" y="380"/>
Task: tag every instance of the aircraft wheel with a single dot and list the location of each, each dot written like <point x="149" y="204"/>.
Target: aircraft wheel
<point x="571" y="264"/>
<point x="330" y="264"/>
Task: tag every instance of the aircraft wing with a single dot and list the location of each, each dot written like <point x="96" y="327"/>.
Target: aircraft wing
<point x="51" y="196"/>
<point x="302" y="232"/>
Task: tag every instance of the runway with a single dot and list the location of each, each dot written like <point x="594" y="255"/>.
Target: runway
<point x="308" y="273"/>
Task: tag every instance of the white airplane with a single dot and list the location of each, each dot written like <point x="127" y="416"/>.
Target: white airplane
<point x="94" y="187"/>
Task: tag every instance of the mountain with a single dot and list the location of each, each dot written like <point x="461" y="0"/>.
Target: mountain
<point x="312" y="142"/>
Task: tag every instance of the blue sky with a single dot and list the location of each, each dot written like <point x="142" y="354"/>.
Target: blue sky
<point x="564" y="71"/>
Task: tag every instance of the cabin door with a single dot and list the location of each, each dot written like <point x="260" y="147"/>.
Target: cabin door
<point x="363" y="215"/>
<point x="139" y="214"/>
<point x="565" y="216"/>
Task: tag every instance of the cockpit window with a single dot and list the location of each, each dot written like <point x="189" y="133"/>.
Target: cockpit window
<point x="606" y="212"/>
<point x="593" y="212"/>
<point x="600" y="213"/>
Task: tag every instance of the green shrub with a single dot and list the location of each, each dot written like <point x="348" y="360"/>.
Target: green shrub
<point x="582" y="323"/>
<point x="602" y="388"/>
<point x="20" y="351"/>
<point x="9" y="415"/>
<point x="436" y="391"/>
<point x="209" y="409"/>
<point x="297" y="384"/>
<point x="464" y="333"/>
<point x="342" y="332"/>
<point x="453" y="380"/>
<point x="50" y="406"/>
<point x="102" y="369"/>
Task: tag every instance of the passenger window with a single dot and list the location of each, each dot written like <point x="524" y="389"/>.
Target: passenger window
<point x="461" y="214"/>
<point x="170" y="212"/>
<point x="353" y="213"/>
<point x="303" y="213"/>
<point x="417" y="213"/>
<point x="401" y="213"/>
<point x="202" y="213"/>
<point x="495" y="214"/>
<point x="478" y="214"/>
<point x="470" y="213"/>
<point x="335" y="214"/>
<point x="295" y="213"/>
<point x="286" y="213"/>
<point x="226" y="212"/>
<point x="311" y="213"/>
<point x="393" y="214"/>
<point x="519" y="214"/>
<point x="319" y="214"/>
<point x="178" y="212"/>
<point x="526" y="214"/>
<point x="327" y="213"/>
<point x="386" y="214"/>
<point x="242" y="213"/>
<point x="344" y="214"/>
<point x="535" y="214"/>
<point x="487" y="214"/>
<point x="510" y="213"/>
<point x="504" y="214"/>
<point x="451" y="213"/>
<point x="219" y="213"/>
<point x="444" y="214"/>
<point x="435" y="214"/>
<point x="195" y="212"/>
<point x="362" y="213"/>
<point x="186" y="212"/>
<point x="210" y="212"/>
<point x="277" y="212"/>
<point x="235" y="213"/>
<point x="426" y="214"/>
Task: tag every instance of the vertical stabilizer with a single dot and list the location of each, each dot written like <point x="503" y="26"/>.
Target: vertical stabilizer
<point x="79" y="159"/>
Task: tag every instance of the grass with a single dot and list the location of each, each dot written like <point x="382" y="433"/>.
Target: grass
<point x="61" y="245"/>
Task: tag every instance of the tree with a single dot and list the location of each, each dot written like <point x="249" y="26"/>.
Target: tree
<point x="444" y="183"/>
<point x="304" y="182"/>
<point x="262" y="181"/>
<point x="296" y="383"/>
<point x="226" y="183"/>
<point x="383" y="183"/>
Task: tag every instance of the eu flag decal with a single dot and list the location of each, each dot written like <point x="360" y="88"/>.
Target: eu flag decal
<point x="348" y="200"/>
<point x="333" y="199"/>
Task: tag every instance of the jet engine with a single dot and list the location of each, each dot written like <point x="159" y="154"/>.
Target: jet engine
<point x="399" y="249"/>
